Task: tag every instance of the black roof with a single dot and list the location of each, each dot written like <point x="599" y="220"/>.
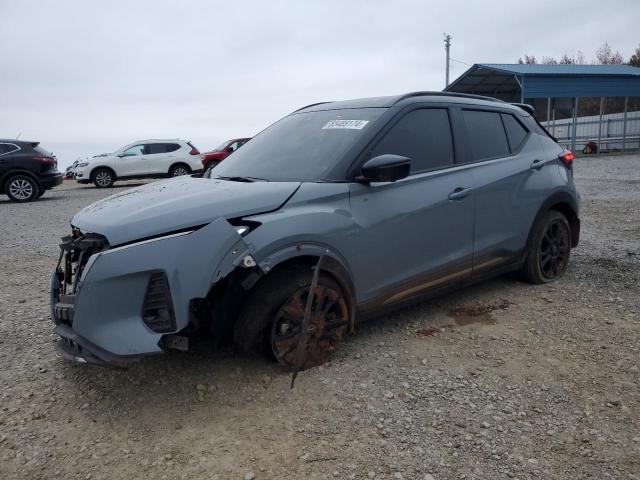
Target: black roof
<point x="402" y="100"/>
<point x="22" y="143"/>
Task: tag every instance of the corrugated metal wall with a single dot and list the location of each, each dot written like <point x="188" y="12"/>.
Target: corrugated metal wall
<point x="580" y="86"/>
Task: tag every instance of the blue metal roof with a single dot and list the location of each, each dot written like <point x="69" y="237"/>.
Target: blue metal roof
<point x="525" y="69"/>
<point x="513" y="82"/>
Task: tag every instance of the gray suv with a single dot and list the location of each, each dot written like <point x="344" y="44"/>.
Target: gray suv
<point x="399" y="198"/>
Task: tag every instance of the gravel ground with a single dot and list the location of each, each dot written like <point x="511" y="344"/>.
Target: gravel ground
<point x="502" y="380"/>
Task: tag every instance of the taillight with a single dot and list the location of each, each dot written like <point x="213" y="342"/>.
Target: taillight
<point x="194" y="151"/>
<point x="567" y="158"/>
<point x="46" y="160"/>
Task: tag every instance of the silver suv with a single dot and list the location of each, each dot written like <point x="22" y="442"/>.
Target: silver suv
<point x="335" y="213"/>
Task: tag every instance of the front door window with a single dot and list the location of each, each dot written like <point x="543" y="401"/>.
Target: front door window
<point x="133" y="151"/>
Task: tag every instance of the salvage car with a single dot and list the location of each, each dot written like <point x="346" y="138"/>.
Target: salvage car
<point x="27" y="170"/>
<point x="141" y="159"/>
<point x="376" y="202"/>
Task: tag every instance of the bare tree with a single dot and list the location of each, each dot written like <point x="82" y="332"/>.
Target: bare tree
<point x="634" y="61"/>
<point x="527" y="59"/>
<point x="606" y="56"/>
<point x="567" y="60"/>
<point x="549" y="61"/>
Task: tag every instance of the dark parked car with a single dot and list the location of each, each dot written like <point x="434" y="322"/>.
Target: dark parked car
<point x="26" y="170"/>
<point x="391" y="200"/>
<point x="215" y="156"/>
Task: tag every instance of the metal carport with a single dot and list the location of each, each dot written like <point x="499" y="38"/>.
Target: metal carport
<point x="578" y="103"/>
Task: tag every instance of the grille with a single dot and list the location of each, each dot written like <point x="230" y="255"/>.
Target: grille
<point x="75" y="251"/>
<point x="157" y="310"/>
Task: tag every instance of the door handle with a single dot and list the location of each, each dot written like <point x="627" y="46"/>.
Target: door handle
<point x="459" y="193"/>
<point x="537" y="165"/>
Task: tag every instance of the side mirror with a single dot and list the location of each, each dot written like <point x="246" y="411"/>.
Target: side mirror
<point x="121" y="155"/>
<point x="385" y="168"/>
<point x="230" y="149"/>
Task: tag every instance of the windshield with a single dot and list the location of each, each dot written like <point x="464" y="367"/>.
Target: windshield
<point x="300" y="147"/>
<point x="220" y="147"/>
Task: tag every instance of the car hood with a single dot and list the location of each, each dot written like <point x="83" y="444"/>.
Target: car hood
<point x="179" y="203"/>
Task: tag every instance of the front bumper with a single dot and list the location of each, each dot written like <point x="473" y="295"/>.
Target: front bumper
<point x="77" y="349"/>
<point x="81" y="175"/>
<point x="100" y="314"/>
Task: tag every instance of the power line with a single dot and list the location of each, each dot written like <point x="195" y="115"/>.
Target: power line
<point x="460" y="61"/>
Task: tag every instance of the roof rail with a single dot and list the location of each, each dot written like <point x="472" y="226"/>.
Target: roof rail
<point x="448" y="94"/>
<point x="530" y="109"/>
<point x="308" y="106"/>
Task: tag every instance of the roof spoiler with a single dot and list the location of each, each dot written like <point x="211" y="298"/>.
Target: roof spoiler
<point x="526" y="107"/>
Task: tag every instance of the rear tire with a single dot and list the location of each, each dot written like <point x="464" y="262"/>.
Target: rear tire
<point x="179" y="170"/>
<point x="273" y="311"/>
<point x="41" y="193"/>
<point x="549" y="249"/>
<point x="103" y="178"/>
<point x="21" y="188"/>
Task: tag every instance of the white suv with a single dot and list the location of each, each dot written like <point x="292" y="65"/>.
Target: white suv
<point x="143" y="159"/>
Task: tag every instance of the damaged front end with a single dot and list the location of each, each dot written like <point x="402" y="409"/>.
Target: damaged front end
<point x="113" y="304"/>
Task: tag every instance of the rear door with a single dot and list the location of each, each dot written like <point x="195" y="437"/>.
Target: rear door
<point x="510" y="180"/>
<point x="160" y="157"/>
<point x="416" y="233"/>
<point x="6" y="156"/>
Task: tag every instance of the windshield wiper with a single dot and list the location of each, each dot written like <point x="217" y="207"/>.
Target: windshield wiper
<point x="242" y="179"/>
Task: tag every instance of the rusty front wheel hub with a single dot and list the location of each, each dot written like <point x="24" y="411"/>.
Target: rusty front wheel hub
<point x="328" y="326"/>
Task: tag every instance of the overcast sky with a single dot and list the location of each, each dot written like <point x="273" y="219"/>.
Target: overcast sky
<point x="85" y="77"/>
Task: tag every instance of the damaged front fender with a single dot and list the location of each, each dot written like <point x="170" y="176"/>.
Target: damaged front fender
<point x="109" y="301"/>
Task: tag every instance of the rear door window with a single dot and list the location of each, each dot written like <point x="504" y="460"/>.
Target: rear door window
<point x="153" y="148"/>
<point x="516" y="133"/>
<point x="422" y="135"/>
<point x="171" y="147"/>
<point x="485" y="134"/>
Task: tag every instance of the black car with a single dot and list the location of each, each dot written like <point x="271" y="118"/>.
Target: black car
<point x="26" y="170"/>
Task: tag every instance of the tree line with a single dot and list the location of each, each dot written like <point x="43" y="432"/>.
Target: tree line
<point x="605" y="55"/>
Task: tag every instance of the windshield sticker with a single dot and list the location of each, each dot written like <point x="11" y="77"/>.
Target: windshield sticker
<point x="346" y="124"/>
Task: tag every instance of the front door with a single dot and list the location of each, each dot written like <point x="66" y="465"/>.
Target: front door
<point x="417" y="233"/>
<point x="132" y="162"/>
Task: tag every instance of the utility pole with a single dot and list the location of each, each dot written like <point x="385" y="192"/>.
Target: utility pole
<point x="447" y="46"/>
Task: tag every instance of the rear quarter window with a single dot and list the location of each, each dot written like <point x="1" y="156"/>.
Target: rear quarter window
<point x="7" y="148"/>
<point x="485" y="134"/>
<point x="516" y="132"/>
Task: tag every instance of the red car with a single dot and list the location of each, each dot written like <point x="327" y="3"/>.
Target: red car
<point x="215" y="156"/>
